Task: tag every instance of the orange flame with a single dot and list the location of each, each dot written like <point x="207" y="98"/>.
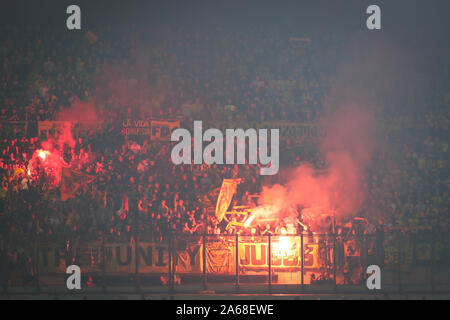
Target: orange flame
<point x="42" y="154"/>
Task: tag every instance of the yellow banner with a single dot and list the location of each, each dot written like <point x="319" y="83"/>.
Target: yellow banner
<point x="220" y="258"/>
<point x="190" y="259"/>
<point x="120" y="258"/>
<point x="286" y="254"/>
<point x="47" y="129"/>
<point x="53" y="258"/>
<point x="136" y="127"/>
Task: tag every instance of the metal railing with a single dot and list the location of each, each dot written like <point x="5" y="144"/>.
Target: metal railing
<point x="269" y="263"/>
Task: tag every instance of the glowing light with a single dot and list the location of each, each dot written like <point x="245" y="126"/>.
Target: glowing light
<point x="49" y="163"/>
<point x="283" y="247"/>
<point x="284" y="243"/>
<point x="42" y="154"/>
<point x="248" y="221"/>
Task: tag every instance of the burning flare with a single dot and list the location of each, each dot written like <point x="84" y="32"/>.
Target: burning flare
<point x="42" y="154"/>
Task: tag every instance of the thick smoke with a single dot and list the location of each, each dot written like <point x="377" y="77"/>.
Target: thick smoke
<point x="118" y="90"/>
<point x="371" y="78"/>
<point x="347" y="149"/>
<point x="56" y="152"/>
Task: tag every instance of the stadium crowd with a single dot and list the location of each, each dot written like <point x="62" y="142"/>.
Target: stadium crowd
<point x="219" y="76"/>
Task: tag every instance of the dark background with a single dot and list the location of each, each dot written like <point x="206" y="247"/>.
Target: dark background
<point x="417" y="23"/>
<point x="406" y="16"/>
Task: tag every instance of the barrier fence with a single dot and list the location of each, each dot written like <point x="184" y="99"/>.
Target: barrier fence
<point x="302" y="261"/>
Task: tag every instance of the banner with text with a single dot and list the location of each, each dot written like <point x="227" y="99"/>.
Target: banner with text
<point x="153" y="258"/>
<point x="156" y="129"/>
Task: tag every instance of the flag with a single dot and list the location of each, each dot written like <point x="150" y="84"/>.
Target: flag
<point x="71" y="181"/>
<point x="123" y="211"/>
<point x="227" y="191"/>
